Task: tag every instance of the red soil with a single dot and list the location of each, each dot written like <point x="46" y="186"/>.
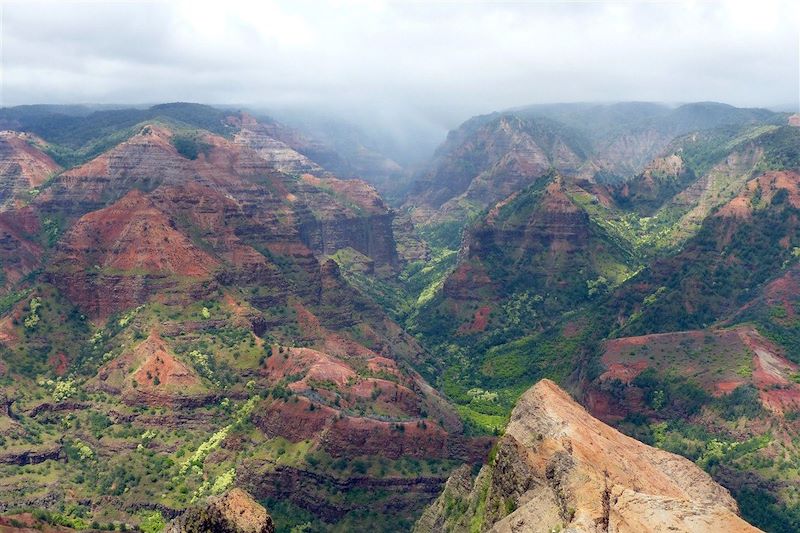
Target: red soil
<point x="149" y="360"/>
<point x="737" y="208"/>
<point x="60" y="364"/>
<point x="767" y="185"/>
<point x="772" y="373"/>
<point x="383" y="364"/>
<point x="726" y="387"/>
<point x="313" y="365"/>
<point x="150" y="137"/>
<point x="624" y="372"/>
<point x="133" y="234"/>
<point x="170" y="373"/>
<point x="342" y="435"/>
<point x="34" y="164"/>
<point x="479" y="321"/>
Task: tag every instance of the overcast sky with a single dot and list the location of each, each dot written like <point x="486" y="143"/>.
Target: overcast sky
<point x="442" y="59"/>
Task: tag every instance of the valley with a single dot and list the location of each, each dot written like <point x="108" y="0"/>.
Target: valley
<point x="196" y="299"/>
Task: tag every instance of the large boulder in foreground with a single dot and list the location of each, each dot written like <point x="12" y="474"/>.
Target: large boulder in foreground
<point x="233" y="512"/>
<point x="557" y="468"/>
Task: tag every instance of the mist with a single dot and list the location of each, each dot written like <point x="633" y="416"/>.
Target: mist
<point x="410" y="69"/>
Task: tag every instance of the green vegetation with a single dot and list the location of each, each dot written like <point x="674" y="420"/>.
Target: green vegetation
<point x="151" y="522"/>
<point x="74" y="139"/>
<point x="190" y="145"/>
<point x="33" y="317"/>
<point x="8" y="301"/>
<point x="544" y="312"/>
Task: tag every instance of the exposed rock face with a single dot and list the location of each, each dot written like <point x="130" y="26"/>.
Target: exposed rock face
<point x="558" y="467"/>
<point x="23" y="167"/>
<point x="554" y="225"/>
<point x="143" y="161"/>
<point x="410" y="246"/>
<point x="321" y="493"/>
<point x="19" y="252"/>
<point x="146" y="220"/>
<point x="133" y="234"/>
<point x="539" y="241"/>
<point x="459" y="487"/>
<point x="485" y="161"/>
<point x="278" y="154"/>
<point x="118" y="257"/>
<point x="233" y="512"/>
<point x="32" y="456"/>
<point x="353" y="215"/>
<point x="660" y="180"/>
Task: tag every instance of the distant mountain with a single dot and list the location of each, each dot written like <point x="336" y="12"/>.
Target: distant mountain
<point x="490" y="156"/>
<point x="349" y="151"/>
<point x="76" y="134"/>
<point x="23" y="166"/>
<point x="484" y="161"/>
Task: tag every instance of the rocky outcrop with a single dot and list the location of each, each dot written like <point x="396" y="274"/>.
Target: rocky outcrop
<point x="32" y="456"/>
<point x="558" y="467"/>
<point x="329" y="497"/>
<point x="233" y="512"/>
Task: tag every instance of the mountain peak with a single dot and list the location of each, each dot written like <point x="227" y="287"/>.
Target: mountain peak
<point x="559" y="467"/>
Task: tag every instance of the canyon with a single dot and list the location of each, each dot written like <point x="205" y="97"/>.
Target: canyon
<point x="572" y="316"/>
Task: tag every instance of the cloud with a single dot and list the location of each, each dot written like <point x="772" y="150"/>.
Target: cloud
<point x="443" y="60"/>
